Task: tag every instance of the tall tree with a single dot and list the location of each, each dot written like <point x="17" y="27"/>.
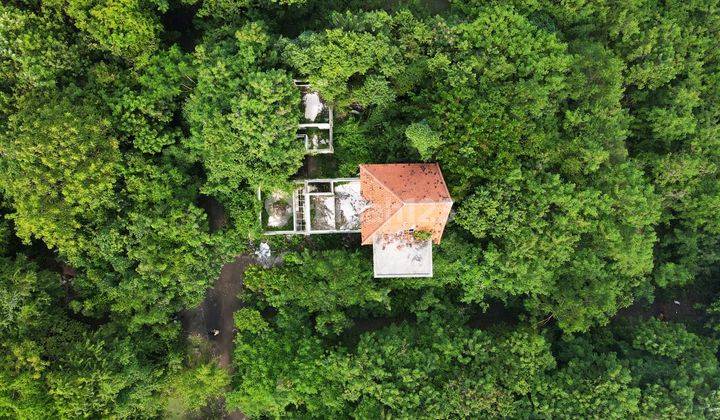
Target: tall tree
<point x="242" y="119"/>
<point x="59" y="169"/>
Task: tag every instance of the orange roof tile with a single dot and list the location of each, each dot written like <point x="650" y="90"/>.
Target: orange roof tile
<point x="403" y="196"/>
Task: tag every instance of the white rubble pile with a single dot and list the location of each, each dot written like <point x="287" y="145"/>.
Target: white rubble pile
<point x="313" y="106"/>
<point x="351" y="204"/>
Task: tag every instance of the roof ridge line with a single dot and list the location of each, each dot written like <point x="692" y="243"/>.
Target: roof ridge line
<point x="443" y="201"/>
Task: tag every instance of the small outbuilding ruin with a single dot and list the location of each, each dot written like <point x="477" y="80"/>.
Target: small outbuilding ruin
<point x="316" y="127"/>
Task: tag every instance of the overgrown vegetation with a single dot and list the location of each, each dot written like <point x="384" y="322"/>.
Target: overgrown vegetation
<point x="577" y="278"/>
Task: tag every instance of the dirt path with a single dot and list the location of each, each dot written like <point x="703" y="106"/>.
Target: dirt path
<point x="213" y="318"/>
<point x="215" y="314"/>
<point x="672" y="305"/>
<point x="220" y="304"/>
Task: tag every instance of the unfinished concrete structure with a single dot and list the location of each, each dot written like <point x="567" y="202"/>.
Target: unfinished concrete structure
<point x="316" y="206"/>
<point x="316" y="127"/>
<point x="399" y="209"/>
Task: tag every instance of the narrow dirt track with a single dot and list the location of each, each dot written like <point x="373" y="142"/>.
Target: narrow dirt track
<point x="220" y="304"/>
<point x="215" y="313"/>
<point x="222" y="301"/>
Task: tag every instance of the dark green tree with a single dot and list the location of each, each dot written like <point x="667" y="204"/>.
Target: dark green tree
<point x="242" y="119"/>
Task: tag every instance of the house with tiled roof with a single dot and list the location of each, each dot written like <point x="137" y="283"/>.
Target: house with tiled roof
<point x="408" y="207"/>
<point x="400" y="209"/>
<point x="405" y="197"/>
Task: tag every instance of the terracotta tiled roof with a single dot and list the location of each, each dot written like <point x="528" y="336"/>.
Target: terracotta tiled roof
<point x="403" y="196"/>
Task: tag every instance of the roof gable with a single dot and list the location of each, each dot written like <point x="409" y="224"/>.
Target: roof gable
<point x="411" y="182"/>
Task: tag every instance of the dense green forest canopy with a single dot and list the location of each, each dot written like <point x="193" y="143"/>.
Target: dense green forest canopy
<point x="578" y="276"/>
